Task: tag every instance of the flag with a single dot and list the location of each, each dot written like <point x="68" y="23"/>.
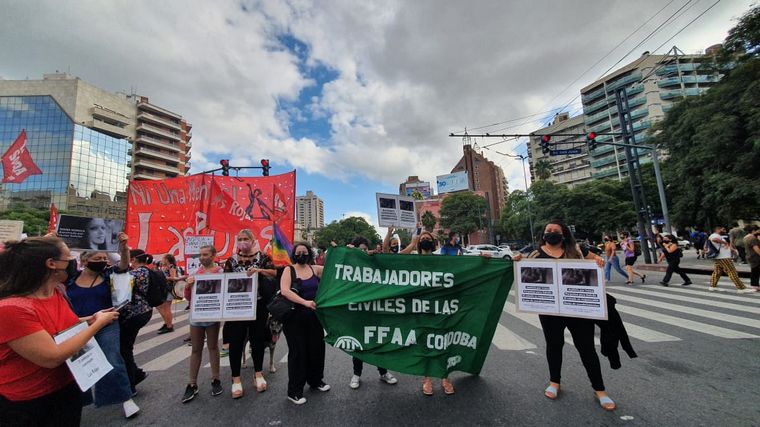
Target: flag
<point x="53" y="221"/>
<point x="281" y="247"/>
<point x="17" y="162"/>
<point x="279" y="206"/>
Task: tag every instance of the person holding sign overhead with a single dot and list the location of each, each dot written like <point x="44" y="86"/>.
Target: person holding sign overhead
<point x="36" y="388"/>
<point x="558" y="242"/>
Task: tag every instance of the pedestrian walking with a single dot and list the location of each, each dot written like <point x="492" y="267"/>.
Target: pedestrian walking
<point x="611" y="259"/>
<point x="736" y="238"/>
<point x="752" y="246"/>
<point x="36" y="386"/>
<point x="672" y="254"/>
<point x="304" y="332"/>
<point x="200" y="331"/>
<point x="718" y="241"/>
<point x="135" y="315"/>
<point x="698" y="241"/>
<point x="452" y="246"/>
<point x="630" y="253"/>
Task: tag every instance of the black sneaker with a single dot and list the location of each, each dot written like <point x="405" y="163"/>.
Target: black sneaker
<point x="165" y="330"/>
<point x="686" y="283"/>
<point x="664" y="284"/>
<point x="140" y="376"/>
<point x="190" y="392"/>
<point x="298" y="400"/>
<point x="322" y="386"/>
<point x="216" y="388"/>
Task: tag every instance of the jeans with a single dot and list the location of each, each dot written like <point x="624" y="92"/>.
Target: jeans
<point x="114" y="387"/>
<point x="613" y="262"/>
<point x="129" y="329"/>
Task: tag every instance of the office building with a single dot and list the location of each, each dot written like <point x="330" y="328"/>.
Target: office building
<point x="484" y="175"/>
<point x="569" y="169"/>
<point x="310" y="212"/>
<point x="88" y="143"/>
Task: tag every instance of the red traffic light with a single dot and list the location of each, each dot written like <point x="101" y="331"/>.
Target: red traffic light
<point x="224" y="162"/>
<point x="265" y="163"/>
<point x="546" y="138"/>
<point x="592" y="135"/>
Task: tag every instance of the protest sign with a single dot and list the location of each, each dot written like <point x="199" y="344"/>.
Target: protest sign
<point x="90" y="234"/>
<point x="10" y="229"/>
<point x="396" y="211"/>
<point x="89" y="364"/>
<point x="223" y="297"/>
<point x="415" y="314"/>
<point x="571" y="288"/>
<point x="193" y="244"/>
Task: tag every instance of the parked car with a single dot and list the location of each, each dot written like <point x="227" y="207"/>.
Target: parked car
<point x="513" y="245"/>
<point x="494" y="251"/>
<point x="684" y="244"/>
<point x="527" y="249"/>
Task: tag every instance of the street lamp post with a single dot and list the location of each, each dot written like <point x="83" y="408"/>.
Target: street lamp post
<point x="527" y="191"/>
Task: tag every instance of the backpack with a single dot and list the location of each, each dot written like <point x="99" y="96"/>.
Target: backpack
<point x="712" y="251"/>
<point x="158" y="288"/>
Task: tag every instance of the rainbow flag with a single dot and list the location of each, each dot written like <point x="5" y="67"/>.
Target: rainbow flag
<point x="281" y="248"/>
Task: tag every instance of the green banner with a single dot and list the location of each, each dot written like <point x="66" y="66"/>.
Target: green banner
<point x="416" y="314"/>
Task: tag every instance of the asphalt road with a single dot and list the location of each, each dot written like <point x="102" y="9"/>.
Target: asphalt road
<point x="698" y="364"/>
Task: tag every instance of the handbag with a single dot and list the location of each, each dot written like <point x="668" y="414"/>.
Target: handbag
<point x="121" y="289"/>
<point x="280" y="308"/>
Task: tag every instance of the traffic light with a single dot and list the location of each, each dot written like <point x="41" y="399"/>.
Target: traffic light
<point x="591" y="140"/>
<point x="225" y="167"/>
<point x="545" y="143"/>
<point x="265" y="167"/>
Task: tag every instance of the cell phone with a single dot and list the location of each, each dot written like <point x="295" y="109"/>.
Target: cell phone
<point x="419" y="230"/>
<point x="120" y="306"/>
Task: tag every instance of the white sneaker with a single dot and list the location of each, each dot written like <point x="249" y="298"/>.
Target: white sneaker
<point x="713" y="289"/>
<point x="388" y="378"/>
<point x="130" y="408"/>
<point x="297" y="400"/>
<point x="355" y="382"/>
<point x="746" y="291"/>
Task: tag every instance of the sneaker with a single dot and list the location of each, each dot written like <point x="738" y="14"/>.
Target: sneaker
<point x="712" y="288"/>
<point x="356" y="381"/>
<point x="685" y="283"/>
<point x="224" y="352"/>
<point x="664" y="284"/>
<point x="190" y="392"/>
<point x="165" y="330"/>
<point x="162" y="327"/>
<point x="130" y="408"/>
<point x="323" y="387"/>
<point x="140" y="376"/>
<point x="388" y="378"/>
<point x="746" y="291"/>
<point x="216" y="388"/>
<point x="298" y="400"/>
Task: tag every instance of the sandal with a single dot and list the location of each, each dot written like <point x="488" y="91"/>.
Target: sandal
<point x="606" y="403"/>
<point x="448" y="387"/>
<point x="237" y="390"/>
<point x="644" y="278"/>
<point x="551" y="392"/>
<point x="427" y="386"/>
<point x="261" y="384"/>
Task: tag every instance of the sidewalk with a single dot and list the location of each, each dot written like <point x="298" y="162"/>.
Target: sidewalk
<point x="691" y="265"/>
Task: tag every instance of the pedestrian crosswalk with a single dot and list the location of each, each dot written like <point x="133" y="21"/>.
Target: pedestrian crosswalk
<point x="653" y="315"/>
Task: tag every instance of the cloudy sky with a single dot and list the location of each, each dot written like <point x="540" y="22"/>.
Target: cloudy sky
<point x="354" y="95"/>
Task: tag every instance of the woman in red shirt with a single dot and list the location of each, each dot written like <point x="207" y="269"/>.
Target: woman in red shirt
<point x="36" y="387"/>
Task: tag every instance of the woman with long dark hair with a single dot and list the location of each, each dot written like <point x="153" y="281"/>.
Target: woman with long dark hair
<point x="136" y="314"/>
<point x="557" y="242"/>
<point x="306" y="344"/>
<point x="36" y="388"/>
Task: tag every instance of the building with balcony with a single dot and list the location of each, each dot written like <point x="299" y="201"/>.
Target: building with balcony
<point x="88" y="142"/>
<point x="569" y="169"/>
<point x="484" y="176"/>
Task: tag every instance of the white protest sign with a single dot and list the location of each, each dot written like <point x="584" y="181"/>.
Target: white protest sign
<point x="221" y="297"/>
<point x="89" y="364"/>
<point x="10" y="229"/>
<point x="396" y="211"/>
<point x="573" y="288"/>
<point x="193" y="244"/>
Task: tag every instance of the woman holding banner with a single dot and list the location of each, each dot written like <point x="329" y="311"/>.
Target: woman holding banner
<point x="558" y="242"/>
<point x="237" y="333"/>
<point x="89" y="292"/>
<point x="36" y="387"/>
<point x="306" y="337"/>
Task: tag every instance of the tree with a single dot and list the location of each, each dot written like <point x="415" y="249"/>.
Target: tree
<point x="35" y="220"/>
<point x="543" y="169"/>
<point x="428" y="220"/>
<point x="744" y="38"/>
<point x="463" y="213"/>
<point x="344" y="231"/>
<point x="405" y="236"/>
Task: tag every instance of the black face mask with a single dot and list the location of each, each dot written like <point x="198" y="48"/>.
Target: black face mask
<point x="427" y="245"/>
<point x="71" y="269"/>
<point x="97" y="266"/>
<point x="394" y="249"/>
<point x="553" y="238"/>
<point x="301" y="259"/>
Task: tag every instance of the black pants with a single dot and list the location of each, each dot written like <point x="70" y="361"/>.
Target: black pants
<point x="306" y="351"/>
<point x="754" y="276"/>
<point x="742" y="253"/>
<point x="127" y="338"/>
<point x="674" y="267"/>
<point x="253" y="331"/>
<point x="582" y="331"/>
<point x="62" y="408"/>
<point x="359" y="366"/>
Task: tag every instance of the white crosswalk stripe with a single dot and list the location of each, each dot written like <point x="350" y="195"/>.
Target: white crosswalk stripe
<point x="504" y="339"/>
<point x="730" y="306"/>
<point x="753" y="298"/>
<point x="161" y="339"/>
<point x="155" y="325"/>
<point x="684" y="323"/>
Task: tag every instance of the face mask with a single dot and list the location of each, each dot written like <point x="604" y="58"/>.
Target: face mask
<point x="245" y="246"/>
<point x="394" y="249"/>
<point x="71" y="269"/>
<point x="300" y="258"/>
<point x="427" y="245"/>
<point x="97" y="266"/>
<point x="553" y="238"/>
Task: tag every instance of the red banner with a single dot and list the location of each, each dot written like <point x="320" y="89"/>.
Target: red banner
<point x="53" y="221"/>
<point x="161" y="213"/>
<point x="17" y="162"/>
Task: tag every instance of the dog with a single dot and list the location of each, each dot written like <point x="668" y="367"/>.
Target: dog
<point x="275" y="328"/>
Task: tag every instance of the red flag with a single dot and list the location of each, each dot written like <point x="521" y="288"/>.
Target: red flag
<point x="17" y="162"/>
<point x="53" y="222"/>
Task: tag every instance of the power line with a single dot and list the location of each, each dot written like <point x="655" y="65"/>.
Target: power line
<point x="687" y="25"/>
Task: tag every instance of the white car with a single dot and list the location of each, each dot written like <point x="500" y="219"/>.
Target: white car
<point x="684" y="244"/>
<point x="494" y="251"/>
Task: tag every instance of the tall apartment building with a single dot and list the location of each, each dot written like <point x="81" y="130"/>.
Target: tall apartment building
<point x="88" y="143"/>
<point x="310" y="212"/>
<point x="486" y="176"/>
<point x="653" y="83"/>
<point x="571" y="169"/>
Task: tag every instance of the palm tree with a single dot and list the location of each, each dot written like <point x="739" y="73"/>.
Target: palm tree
<point x="543" y="169"/>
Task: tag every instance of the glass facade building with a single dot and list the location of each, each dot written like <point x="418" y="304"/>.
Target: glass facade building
<point x="83" y="171"/>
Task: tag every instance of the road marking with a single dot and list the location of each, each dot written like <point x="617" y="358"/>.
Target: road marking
<point x="747" y="298"/>
<point x="684" y="323"/>
<point x="161" y="339"/>
<point x="169" y="359"/>
<point x="714" y="315"/>
<point x="504" y="339"/>
<point x="157" y="325"/>
<point x="736" y="307"/>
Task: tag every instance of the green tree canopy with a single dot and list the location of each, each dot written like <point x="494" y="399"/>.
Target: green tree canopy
<point x="344" y="231"/>
<point x="35" y="220"/>
<point x="428" y="220"/>
<point x="463" y="213"/>
<point x="543" y="169"/>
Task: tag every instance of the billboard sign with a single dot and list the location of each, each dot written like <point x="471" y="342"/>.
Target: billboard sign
<point x="423" y="188"/>
<point x="452" y="182"/>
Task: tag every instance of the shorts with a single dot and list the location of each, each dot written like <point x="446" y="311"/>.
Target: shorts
<point x="170" y="296"/>
<point x="203" y="325"/>
<point x="631" y="260"/>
